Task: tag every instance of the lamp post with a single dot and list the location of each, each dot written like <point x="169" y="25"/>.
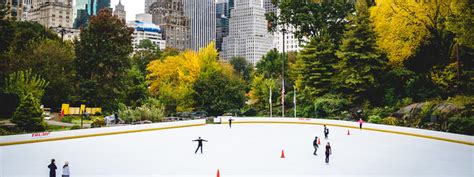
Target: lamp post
<point x="61" y="31"/>
<point x="283" y="31"/>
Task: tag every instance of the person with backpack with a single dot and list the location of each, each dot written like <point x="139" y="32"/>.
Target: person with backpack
<point x="315" y="145"/>
<point x="326" y="132"/>
<point x="199" y="140"/>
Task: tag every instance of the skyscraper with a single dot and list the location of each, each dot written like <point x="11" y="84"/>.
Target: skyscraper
<point x="148" y="3"/>
<point x="202" y="22"/>
<point x="86" y="8"/>
<point x="169" y="16"/>
<point x="120" y="11"/>
<point x="222" y="22"/>
<point x="248" y="35"/>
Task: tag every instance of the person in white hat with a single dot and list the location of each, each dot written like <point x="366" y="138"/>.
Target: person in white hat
<point x="66" y="169"/>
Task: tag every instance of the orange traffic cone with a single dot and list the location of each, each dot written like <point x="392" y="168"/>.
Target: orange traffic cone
<point x="282" y="154"/>
<point x="218" y="173"/>
<point x="348" y="132"/>
<point x="319" y="141"/>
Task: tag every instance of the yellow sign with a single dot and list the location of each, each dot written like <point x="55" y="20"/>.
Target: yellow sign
<point x="65" y="108"/>
<point x="83" y="108"/>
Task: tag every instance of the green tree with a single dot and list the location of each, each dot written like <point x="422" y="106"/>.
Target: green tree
<point x="54" y="60"/>
<point x="136" y="87"/>
<point x="219" y="90"/>
<point x="315" y="66"/>
<point x="102" y="60"/>
<point x="270" y="66"/>
<point x="360" y="63"/>
<point x="147" y="52"/>
<point x="28" y="115"/>
<point x="242" y="67"/>
<point x="15" y="36"/>
<point x="259" y="94"/>
<point x="461" y="22"/>
<point x="312" y="18"/>
<point x="22" y="83"/>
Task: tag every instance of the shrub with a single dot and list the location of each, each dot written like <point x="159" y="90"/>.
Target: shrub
<point x="68" y="119"/>
<point x="151" y="110"/>
<point x="381" y="112"/>
<point x="75" y="127"/>
<point x="461" y="125"/>
<point x="330" y="105"/>
<point x="375" y="119"/>
<point x="97" y="122"/>
<point x="29" y="115"/>
<point x="390" y="121"/>
<point x="250" y="112"/>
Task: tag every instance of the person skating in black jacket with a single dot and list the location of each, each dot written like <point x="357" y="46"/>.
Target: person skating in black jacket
<point x="52" y="169"/>
<point x="315" y="145"/>
<point x="199" y="140"/>
<point x="328" y="152"/>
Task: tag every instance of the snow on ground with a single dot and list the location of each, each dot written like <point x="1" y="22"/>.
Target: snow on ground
<point x="246" y="150"/>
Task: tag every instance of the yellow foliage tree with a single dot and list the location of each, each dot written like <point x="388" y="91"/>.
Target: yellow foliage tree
<point x="172" y="78"/>
<point x="403" y="25"/>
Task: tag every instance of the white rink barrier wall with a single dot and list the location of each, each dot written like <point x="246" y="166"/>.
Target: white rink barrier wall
<point x="437" y="135"/>
<point x="72" y="134"/>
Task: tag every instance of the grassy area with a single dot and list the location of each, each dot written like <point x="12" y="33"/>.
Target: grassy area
<point x="55" y="128"/>
<point x="78" y="121"/>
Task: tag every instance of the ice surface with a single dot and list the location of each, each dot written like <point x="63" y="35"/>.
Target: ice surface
<point x="246" y="150"/>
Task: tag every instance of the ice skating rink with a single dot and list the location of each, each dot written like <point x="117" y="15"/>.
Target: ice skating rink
<point x="246" y="150"/>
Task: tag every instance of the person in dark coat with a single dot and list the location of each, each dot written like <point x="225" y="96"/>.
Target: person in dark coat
<point x="52" y="169"/>
<point x="326" y="132"/>
<point x="116" y="118"/>
<point x="199" y="140"/>
<point x="315" y="145"/>
<point x="230" y="122"/>
<point x="328" y="152"/>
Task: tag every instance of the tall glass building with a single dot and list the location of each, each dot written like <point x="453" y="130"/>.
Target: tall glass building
<point x="86" y="8"/>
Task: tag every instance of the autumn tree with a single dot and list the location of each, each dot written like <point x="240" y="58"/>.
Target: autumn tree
<point x="409" y="31"/>
<point x="195" y="81"/>
<point x="102" y="60"/>
<point x="259" y="95"/>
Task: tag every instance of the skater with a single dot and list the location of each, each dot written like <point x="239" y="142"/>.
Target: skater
<point x="199" y="140"/>
<point x="360" y="123"/>
<point x="328" y="152"/>
<point x="230" y="122"/>
<point x="52" y="169"/>
<point x="326" y="132"/>
<point x="315" y="145"/>
<point x="66" y="169"/>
